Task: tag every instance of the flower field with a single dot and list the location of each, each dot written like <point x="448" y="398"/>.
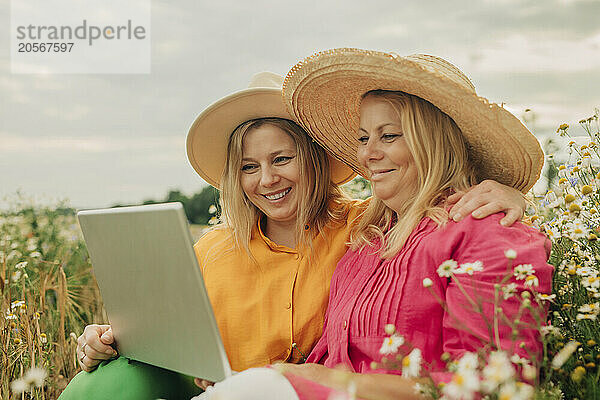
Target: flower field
<point x="47" y="296"/>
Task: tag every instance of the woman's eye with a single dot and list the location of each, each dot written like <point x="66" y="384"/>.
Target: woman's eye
<point x="281" y="159"/>
<point x="388" y="137"/>
<point x="363" y="139"/>
<point x="248" y="167"/>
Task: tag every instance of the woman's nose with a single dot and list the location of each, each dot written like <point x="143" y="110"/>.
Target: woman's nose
<point x="268" y="177"/>
<point x="372" y="150"/>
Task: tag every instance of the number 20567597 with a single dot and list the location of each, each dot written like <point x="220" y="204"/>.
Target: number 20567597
<point x="44" y="47"/>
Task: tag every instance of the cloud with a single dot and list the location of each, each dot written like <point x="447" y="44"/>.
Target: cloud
<point x="531" y="53"/>
<point x="95" y="144"/>
<point x="75" y="113"/>
<point x="100" y="138"/>
<point x="570" y="2"/>
<point x="393" y="30"/>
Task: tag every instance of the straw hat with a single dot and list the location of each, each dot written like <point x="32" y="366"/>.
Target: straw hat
<point x="209" y="135"/>
<point x="324" y="92"/>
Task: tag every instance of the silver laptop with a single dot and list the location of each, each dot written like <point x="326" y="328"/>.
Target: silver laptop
<point x="152" y="288"/>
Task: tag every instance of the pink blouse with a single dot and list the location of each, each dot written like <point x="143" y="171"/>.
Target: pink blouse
<point x="367" y="293"/>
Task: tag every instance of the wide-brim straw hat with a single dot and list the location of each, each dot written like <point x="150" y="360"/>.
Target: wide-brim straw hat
<point x="324" y="92"/>
<point x="208" y="136"/>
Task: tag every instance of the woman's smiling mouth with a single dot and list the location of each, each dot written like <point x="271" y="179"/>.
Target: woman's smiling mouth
<point x="278" y="195"/>
<point x="379" y="173"/>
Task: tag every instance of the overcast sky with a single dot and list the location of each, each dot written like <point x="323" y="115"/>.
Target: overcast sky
<point x="101" y="139"/>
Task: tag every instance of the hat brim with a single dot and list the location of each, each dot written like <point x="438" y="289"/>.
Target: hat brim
<point x="325" y="90"/>
<point x="209" y="135"/>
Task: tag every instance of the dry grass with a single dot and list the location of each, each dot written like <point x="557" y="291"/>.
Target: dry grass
<point x="47" y="296"/>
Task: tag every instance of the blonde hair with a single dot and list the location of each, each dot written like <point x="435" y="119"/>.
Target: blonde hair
<point x="442" y="161"/>
<point x="317" y="194"/>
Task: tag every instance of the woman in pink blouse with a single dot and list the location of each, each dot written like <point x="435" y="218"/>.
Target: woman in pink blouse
<point x="424" y="137"/>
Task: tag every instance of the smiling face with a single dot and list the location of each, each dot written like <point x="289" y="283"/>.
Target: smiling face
<point x="270" y="173"/>
<point x="383" y="151"/>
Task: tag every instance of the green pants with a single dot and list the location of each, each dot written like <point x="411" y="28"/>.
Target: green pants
<point x="124" y="379"/>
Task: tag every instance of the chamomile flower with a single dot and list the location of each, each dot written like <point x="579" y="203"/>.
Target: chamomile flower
<point x="497" y="371"/>
<point x="586" y="271"/>
<point x="464" y="385"/>
<point x="532" y="281"/>
<point x="10" y="316"/>
<point x="411" y="364"/>
<point x="21" y="265"/>
<point x="469" y="361"/>
<point x="590" y="308"/>
<point x="591" y="283"/>
<point x="545" y="297"/>
<point x="391" y="344"/>
<point x="447" y="268"/>
<point x="591" y="317"/>
<point x="516" y="391"/>
<point x="17" y="304"/>
<point x="509" y="290"/>
<point x="577" y="229"/>
<point x="522" y="271"/>
<point x="470" y="268"/>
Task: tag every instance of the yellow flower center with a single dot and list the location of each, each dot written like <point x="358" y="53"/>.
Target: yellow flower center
<point x="458" y="379"/>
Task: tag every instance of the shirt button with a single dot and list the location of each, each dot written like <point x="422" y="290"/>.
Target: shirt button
<point x="288" y="306"/>
<point x="345" y="324"/>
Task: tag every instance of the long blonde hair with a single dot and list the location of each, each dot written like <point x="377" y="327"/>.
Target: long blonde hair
<point x="441" y="157"/>
<point x="317" y="194"/>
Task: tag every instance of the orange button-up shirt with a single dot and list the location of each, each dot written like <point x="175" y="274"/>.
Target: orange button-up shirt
<point x="263" y="308"/>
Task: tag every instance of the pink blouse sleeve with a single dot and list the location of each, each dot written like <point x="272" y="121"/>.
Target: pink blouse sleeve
<point x="469" y="321"/>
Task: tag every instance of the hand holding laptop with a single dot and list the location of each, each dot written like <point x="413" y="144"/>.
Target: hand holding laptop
<point x="94" y="346"/>
<point x="153" y="292"/>
<point x="203" y="383"/>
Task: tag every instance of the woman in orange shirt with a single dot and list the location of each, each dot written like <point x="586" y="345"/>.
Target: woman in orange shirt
<point x="267" y="267"/>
